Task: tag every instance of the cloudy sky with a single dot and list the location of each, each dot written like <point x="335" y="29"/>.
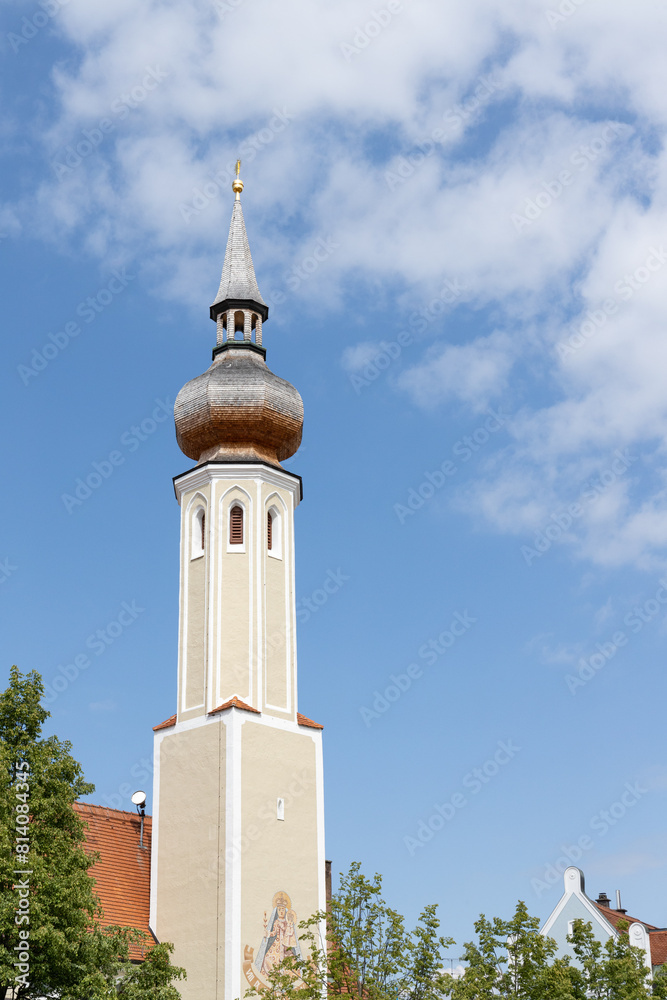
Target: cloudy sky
<point x="457" y="214"/>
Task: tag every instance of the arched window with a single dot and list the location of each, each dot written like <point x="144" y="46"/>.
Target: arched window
<point x="236" y="526"/>
<point x="274" y="533"/>
<point x="198" y="540"/>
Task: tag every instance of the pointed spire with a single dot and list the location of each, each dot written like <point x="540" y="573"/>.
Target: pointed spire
<point x="238" y="284"/>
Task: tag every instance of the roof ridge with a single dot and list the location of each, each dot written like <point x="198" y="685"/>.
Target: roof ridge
<point x="624" y="916"/>
<point x="303" y="720"/>
<point x="234" y="702"/>
<point x="122" y="812"/>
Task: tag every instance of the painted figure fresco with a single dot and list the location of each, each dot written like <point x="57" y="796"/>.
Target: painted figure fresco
<point x="280" y="936"/>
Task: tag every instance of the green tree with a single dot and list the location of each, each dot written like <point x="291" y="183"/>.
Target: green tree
<point x="51" y="941"/>
<point x="512" y="960"/>
<point x="152" y="980"/>
<point x="614" y="969"/>
<point x="365" y="950"/>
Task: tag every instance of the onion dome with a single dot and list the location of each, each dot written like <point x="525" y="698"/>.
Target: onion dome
<point x="238" y="410"/>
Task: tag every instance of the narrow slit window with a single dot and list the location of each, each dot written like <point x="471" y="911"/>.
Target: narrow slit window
<point x="236" y="526"/>
<point x="274" y="532"/>
<point x="198" y="533"/>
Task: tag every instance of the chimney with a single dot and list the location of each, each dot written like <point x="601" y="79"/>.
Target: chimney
<point x="619" y="908"/>
<point x="604" y="900"/>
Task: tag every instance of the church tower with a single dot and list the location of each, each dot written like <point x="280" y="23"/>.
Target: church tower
<point x="238" y="815"/>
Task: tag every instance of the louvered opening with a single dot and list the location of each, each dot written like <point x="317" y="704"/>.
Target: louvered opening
<point x="203" y="529"/>
<point x="269" y="531"/>
<point x="236" y="526"/>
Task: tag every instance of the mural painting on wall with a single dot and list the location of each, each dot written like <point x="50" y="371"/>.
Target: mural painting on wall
<point x="280" y="939"/>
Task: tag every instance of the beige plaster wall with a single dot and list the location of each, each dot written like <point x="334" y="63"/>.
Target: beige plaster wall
<point x="196" y="634"/>
<point x="193" y="611"/>
<point x="191" y="850"/>
<point x="279" y="645"/>
<point x="276" y="643"/>
<point x="237" y="603"/>
<point x="279" y="856"/>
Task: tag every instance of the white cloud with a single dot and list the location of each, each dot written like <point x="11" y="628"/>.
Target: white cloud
<point x="355" y="358"/>
<point x="474" y="373"/>
<point x="456" y="215"/>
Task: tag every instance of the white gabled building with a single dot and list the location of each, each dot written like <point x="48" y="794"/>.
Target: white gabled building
<point x="574" y="904"/>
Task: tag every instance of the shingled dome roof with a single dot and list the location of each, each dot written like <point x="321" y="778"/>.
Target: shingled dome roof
<point x="238" y="410"/>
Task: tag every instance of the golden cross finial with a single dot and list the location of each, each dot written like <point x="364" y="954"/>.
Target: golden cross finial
<point x="237" y="185"/>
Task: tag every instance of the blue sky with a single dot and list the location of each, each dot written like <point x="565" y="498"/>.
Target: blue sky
<point x="456" y="214"/>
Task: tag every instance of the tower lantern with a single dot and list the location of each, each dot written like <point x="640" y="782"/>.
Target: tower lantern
<point x="238" y="828"/>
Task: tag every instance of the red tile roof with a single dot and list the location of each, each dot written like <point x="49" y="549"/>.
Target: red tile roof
<point x="658" y="942"/>
<point x="122" y="873"/>
<point x="657" y="937"/>
<point x="303" y="720"/>
<point x="171" y="721"/>
<point x="615" y="917"/>
<point x="235" y="703"/>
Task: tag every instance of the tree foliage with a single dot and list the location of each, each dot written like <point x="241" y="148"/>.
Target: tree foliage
<point x="512" y="960"/>
<point x="361" y="948"/>
<point x="51" y="940"/>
